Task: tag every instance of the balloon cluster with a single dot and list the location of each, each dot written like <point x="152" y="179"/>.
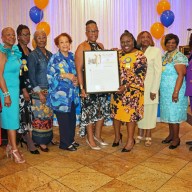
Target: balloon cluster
<point x="166" y="17"/>
<point x="36" y="15"/>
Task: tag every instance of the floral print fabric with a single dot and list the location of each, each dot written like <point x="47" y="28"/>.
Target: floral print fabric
<point x="129" y="106"/>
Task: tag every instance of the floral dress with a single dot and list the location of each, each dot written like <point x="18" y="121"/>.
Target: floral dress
<point x="129" y="106"/>
<point x="26" y="115"/>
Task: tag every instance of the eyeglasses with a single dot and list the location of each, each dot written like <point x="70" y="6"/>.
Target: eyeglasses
<point x="91" y="31"/>
<point x="26" y="35"/>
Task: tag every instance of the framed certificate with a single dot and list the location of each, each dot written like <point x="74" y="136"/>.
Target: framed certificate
<point x="101" y="71"/>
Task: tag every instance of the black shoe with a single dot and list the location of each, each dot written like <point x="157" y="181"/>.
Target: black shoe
<point x="125" y="150"/>
<point x="35" y="152"/>
<point x="75" y="144"/>
<point x="189" y="142"/>
<point x="174" y="146"/>
<point x="71" y="148"/>
<point x="165" y="141"/>
<point x="43" y="149"/>
<point x="128" y="150"/>
<point x="117" y="144"/>
<point x="22" y="141"/>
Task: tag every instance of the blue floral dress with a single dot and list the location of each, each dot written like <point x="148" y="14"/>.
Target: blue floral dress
<point x="61" y="92"/>
<point x="10" y="115"/>
<point x="171" y="112"/>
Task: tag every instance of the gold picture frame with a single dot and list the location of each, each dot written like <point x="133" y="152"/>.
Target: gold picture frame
<point x="185" y="50"/>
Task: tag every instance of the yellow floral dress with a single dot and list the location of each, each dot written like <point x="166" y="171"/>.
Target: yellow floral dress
<point x="129" y="106"/>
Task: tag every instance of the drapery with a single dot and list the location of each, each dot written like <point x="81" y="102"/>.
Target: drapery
<point x="112" y="17"/>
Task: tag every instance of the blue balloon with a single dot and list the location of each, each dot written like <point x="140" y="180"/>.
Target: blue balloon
<point x="36" y="14"/>
<point x="167" y="18"/>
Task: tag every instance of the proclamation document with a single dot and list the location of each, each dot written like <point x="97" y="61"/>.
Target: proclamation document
<point x="101" y="71"/>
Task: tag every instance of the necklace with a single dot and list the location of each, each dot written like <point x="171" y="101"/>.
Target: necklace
<point x="168" y="58"/>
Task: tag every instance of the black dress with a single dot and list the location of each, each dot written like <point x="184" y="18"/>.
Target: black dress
<point x="26" y="115"/>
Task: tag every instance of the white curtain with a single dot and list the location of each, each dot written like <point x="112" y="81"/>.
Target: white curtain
<point x="112" y="17"/>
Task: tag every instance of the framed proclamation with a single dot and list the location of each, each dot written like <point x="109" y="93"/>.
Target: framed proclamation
<point x="101" y="71"/>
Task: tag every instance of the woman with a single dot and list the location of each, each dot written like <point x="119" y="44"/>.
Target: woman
<point x="63" y="93"/>
<point x="151" y="84"/>
<point x="127" y="103"/>
<point x="188" y="81"/>
<point x="9" y="82"/>
<point x="37" y="62"/>
<point x="173" y="102"/>
<point x="94" y="107"/>
<point x="26" y="116"/>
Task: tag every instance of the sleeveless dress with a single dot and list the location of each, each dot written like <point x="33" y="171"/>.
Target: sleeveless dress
<point x="95" y="106"/>
<point x="10" y="115"/>
<point x="171" y="112"/>
<point x="26" y="115"/>
<point x="129" y="106"/>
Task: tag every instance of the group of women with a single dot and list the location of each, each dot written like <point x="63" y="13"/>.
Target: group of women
<point x="50" y="84"/>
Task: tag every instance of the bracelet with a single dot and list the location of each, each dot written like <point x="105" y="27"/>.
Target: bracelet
<point x="6" y="94"/>
<point x="125" y="86"/>
<point x="81" y="86"/>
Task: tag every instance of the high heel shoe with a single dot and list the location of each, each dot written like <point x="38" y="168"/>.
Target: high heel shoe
<point x="128" y="150"/>
<point x="22" y="141"/>
<point x="103" y="143"/>
<point x="174" y="146"/>
<point x="17" y="156"/>
<point x="43" y="149"/>
<point x="120" y="140"/>
<point x="92" y="147"/>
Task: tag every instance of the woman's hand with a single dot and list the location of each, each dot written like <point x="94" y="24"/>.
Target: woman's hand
<point x="175" y="97"/>
<point x="75" y="82"/>
<point x="71" y="76"/>
<point x="7" y="101"/>
<point x="152" y="96"/>
<point x="121" y="89"/>
<point x="26" y="95"/>
<point x="42" y="98"/>
<point x="83" y="93"/>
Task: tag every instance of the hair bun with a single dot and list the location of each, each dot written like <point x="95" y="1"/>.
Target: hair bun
<point x="126" y="31"/>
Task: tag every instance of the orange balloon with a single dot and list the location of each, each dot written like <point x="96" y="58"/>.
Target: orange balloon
<point x="162" y="43"/>
<point x="41" y="4"/>
<point x="34" y="45"/>
<point x="43" y="26"/>
<point x="162" y="6"/>
<point x="157" y="30"/>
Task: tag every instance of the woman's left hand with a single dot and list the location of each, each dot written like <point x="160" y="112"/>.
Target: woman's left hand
<point x="121" y="89"/>
<point x="152" y="96"/>
<point x="175" y="97"/>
